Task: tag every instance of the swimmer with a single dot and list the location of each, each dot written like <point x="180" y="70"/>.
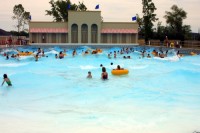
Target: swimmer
<point x="119" y="68"/>
<point x="7" y="57"/>
<point x="89" y="75"/>
<point x="148" y="56"/>
<point x="7" y="80"/>
<point x="43" y="55"/>
<point x="39" y="50"/>
<point x="74" y="53"/>
<point x="36" y="57"/>
<point x="161" y="55"/>
<point x="104" y="74"/>
<point x="115" y="54"/>
<point x="109" y="57"/>
<point x="61" y="55"/>
<point x="128" y="57"/>
<point x="56" y="56"/>
<point x="13" y="56"/>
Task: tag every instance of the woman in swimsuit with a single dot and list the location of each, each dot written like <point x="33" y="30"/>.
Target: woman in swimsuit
<point x="104" y="74"/>
<point x="7" y="80"/>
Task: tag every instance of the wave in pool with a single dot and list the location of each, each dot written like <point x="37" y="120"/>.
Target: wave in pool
<point x="173" y="58"/>
<point x="52" y="52"/>
<point x="88" y="67"/>
<point x="139" y="67"/>
<point x="13" y="64"/>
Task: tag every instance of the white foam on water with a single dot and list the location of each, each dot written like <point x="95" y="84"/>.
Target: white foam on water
<point x="172" y="58"/>
<point x="13" y="64"/>
<point x="88" y="67"/>
<point x="8" y="50"/>
<point x="112" y="66"/>
<point x="139" y="67"/>
<point x="25" y="57"/>
<point x="196" y="64"/>
<point x="52" y="52"/>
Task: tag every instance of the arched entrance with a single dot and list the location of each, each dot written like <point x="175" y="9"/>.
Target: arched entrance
<point x="74" y="33"/>
<point x="84" y="33"/>
<point x="94" y="33"/>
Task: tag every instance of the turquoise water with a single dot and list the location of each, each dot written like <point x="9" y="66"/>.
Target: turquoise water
<point x="54" y="95"/>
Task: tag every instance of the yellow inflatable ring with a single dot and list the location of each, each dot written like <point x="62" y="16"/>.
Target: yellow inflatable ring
<point x="120" y="72"/>
<point x="25" y="54"/>
<point x="99" y="50"/>
<point x="193" y="53"/>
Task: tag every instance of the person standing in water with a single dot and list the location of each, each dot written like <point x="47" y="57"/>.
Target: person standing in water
<point x="104" y="74"/>
<point x="7" y="80"/>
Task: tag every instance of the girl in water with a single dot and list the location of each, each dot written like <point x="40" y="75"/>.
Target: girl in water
<point x="7" y="80"/>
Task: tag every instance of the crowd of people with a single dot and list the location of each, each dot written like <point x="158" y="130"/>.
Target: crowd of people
<point x="104" y="75"/>
<point x="124" y="53"/>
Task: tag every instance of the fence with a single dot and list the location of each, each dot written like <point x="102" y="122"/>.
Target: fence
<point x="15" y="40"/>
<point x="173" y="43"/>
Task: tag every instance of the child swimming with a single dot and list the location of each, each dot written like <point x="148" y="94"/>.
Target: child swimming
<point x="7" y="80"/>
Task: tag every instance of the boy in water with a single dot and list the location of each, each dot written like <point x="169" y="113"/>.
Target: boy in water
<point x="7" y="80"/>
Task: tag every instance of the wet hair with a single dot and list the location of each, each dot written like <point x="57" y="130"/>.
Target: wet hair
<point x="111" y="63"/>
<point x="89" y="72"/>
<point x="101" y="65"/>
<point x="103" y="69"/>
<point x="5" y="76"/>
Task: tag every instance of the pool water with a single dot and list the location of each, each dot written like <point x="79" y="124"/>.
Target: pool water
<point x="54" y="95"/>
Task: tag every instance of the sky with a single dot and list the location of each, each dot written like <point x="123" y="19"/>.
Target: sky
<point x="111" y="10"/>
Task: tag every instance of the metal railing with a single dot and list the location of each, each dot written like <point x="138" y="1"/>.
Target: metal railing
<point x="172" y="43"/>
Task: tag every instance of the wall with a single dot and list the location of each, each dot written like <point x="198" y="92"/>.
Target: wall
<point x="37" y="37"/>
<point x="120" y="25"/>
<point x="84" y="17"/>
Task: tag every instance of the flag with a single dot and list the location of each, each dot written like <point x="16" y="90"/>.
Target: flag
<point x="68" y="6"/>
<point x="97" y="6"/>
<point x="134" y="18"/>
<point x="29" y="17"/>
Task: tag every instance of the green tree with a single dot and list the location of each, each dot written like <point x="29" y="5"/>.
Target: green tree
<point x="148" y="18"/>
<point x="21" y="16"/>
<point x="186" y="30"/>
<point x="81" y="6"/>
<point x="139" y="21"/>
<point x="160" y="31"/>
<point x="25" y="21"/>
<point x="140" y="26"/>
<point x="175" y="20"/>
<point x="59" y="9"/>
